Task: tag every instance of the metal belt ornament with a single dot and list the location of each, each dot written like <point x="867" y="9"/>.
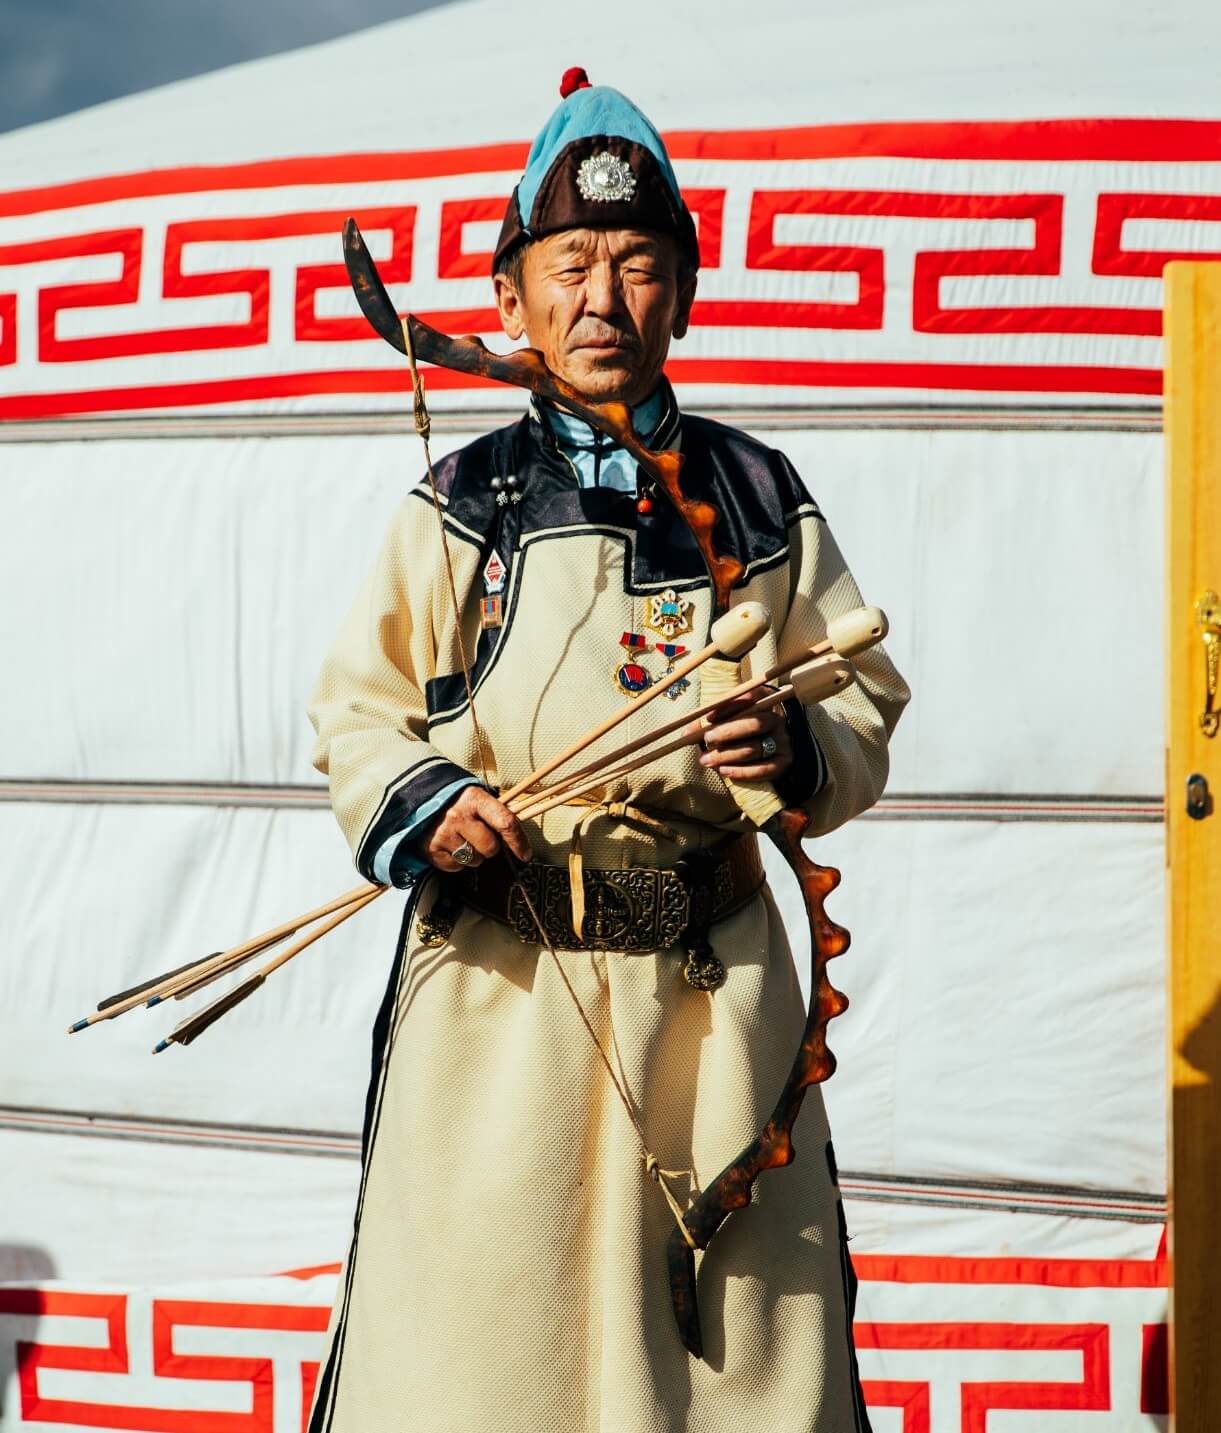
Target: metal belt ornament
<point x="813" y="1063"/>
<point x="640" y="909"/>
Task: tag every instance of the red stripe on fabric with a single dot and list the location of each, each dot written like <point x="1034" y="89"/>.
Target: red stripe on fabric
<point x="266" y="174"/>
<point x="453" y="261"/>
<point x="1055" y="139"/>
<point x="257" y="1371"/>
<point x="1109" y="257"/>
<point x="309" y="1386"/>
<point x="8" y="329"/>
<point x="1155" y="1369"/>
<point x="1096" y="138"/>
<point x="112" y="1308"/>
<point x="913" y="1398"/>
<point x="312" y="1273"/>
<point x="1053" y="1273"/>
<point x="1092" y="1392"/>
<point x="762" y="372"/>
<point x="975" y="377"/>
<point x="209" y="1313"/>
<point x="1042" y="259"/>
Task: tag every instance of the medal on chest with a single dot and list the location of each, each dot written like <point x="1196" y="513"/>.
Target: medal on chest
<point x="491" y="612"/>
<point x="671" y="651"/>
<point x="668" y="614"/>
<point x="631" y="675"/>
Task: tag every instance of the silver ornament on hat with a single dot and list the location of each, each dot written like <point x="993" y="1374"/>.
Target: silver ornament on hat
<point x="603" y="177"/>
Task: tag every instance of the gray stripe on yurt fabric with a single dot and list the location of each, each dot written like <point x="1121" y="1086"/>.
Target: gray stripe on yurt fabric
<point x="894" y="806"/>
<point x="921" y="417"/>
<point x="1010" y="1196"/>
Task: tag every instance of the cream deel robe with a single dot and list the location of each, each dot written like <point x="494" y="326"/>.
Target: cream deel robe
<point x="507" y="1265"/>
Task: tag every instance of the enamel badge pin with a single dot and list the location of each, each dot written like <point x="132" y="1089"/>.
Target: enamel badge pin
<point x="490" y="605"/>
<point x="494" y="573"/>
<point x="669" y="615"/>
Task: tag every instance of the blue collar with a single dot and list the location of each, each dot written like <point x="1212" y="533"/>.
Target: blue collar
<point x="573" y="432"/>
<point x="597" y="461"/>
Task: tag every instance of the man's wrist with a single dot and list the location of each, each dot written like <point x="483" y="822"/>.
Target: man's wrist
<point x="806" y="777"/>
<point x="399" y="859"/>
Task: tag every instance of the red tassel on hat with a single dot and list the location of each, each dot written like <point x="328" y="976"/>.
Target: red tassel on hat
<point x="573" y="79"/>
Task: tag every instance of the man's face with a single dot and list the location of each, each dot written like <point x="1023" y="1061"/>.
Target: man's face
<point x="602" y="306"/>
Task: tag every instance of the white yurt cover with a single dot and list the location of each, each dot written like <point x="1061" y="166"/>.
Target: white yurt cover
<point x="932" y="243"/>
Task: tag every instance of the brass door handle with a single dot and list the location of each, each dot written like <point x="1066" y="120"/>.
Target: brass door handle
<point x="1208" y="619"/>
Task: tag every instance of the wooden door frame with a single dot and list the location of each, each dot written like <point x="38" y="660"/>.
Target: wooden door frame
<point x="1193" y="846"/>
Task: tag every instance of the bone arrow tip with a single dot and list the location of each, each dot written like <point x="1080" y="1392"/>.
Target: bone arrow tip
<point x="161" y="1045"/>
<point x="740" y="628"/>
<point x="80" y="1025"/>
<point x="858" y="630"/>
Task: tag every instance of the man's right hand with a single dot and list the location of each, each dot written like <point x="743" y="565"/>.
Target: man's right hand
<point x="476" y="816"/>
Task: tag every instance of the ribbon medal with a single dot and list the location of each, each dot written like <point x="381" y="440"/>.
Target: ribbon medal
<point x="671" y="650"/>
<point x="631" y="677"/>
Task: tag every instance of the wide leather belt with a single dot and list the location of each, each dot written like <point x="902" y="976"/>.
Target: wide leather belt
<point x="640" y="909"/>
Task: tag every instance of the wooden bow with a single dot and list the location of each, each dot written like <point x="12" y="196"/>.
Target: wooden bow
<point x="773" y="1147"/>
<point x="524" y="368"/>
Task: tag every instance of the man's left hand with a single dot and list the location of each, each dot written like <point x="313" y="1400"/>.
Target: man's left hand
<point x="738" y="742"/>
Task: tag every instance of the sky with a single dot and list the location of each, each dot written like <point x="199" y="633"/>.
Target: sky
<point x="62" y="55"/>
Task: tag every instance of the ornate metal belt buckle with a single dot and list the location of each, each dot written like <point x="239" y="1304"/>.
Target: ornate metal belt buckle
<point x="636" y="910"/>
<point x="612" y="913"/>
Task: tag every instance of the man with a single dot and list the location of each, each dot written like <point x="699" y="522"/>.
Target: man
<point x="506" y="1269"/>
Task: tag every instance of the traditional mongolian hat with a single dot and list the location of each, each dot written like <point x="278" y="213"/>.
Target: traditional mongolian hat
<point x="597" y="163"/>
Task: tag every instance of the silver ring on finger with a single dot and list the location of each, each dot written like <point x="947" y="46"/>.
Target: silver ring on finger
<point x="767" y="745"/>
<point x="465" y="854"/>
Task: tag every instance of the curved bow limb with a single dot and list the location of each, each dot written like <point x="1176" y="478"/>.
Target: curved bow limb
<point x="773" y="1147"/>
<point x="524" y="368"/>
